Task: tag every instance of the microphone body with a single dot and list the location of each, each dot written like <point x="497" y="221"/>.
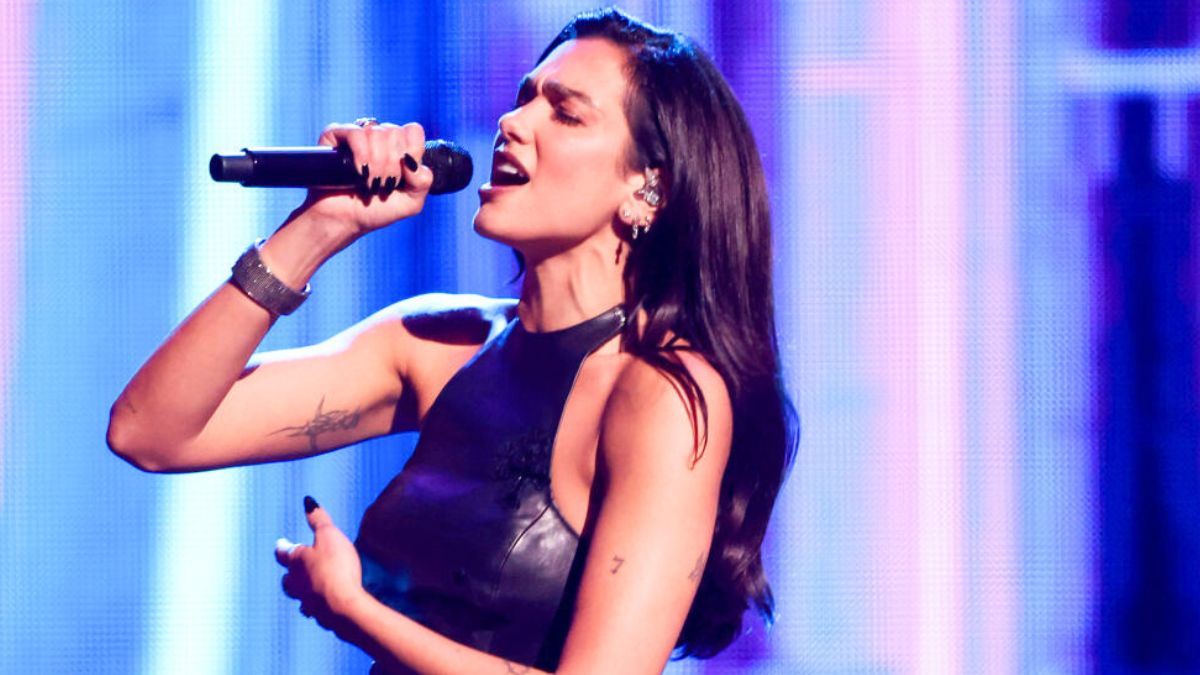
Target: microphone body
<point x="331" y="168"/>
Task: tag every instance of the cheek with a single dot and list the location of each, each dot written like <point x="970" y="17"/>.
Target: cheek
<point x="583" y="175"/>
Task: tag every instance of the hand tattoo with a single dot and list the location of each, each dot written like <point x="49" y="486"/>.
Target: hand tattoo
<point x="617" y="562"/>
<point x="322" y="423"/>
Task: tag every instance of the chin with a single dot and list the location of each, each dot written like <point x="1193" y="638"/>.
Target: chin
<point x="485" y="228"/>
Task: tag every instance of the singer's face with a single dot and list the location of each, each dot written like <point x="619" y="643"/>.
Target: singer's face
<point x="559" y="172"/>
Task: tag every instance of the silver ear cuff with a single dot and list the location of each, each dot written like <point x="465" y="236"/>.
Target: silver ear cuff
<point x="650" y="192"/>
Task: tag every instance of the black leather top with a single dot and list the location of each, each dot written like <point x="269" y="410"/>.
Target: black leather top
<point x="466" y="539"/>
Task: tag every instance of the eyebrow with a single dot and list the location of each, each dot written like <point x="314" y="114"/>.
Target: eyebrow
<point x="558" y="88"/>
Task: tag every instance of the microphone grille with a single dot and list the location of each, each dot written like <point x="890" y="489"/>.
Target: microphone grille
<point x="451" y="165"/>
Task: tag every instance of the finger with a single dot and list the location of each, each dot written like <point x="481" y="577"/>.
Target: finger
<point x="318" y="518"/>
<point x="355" y="139"/>
<point x="378" y="140"/>
<point x="417" y="177"/>
<point x="329" y="135"/>
<point x="284" y="551"/>
<point x="289" y="586"/>
<point x="392" y="138"/>
<point x="414" y="140"/>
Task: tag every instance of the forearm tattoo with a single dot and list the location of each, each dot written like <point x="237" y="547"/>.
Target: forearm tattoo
<point x="323" y="422"/>
<point x="617" y="561"/>
<point x="698" y="569"/>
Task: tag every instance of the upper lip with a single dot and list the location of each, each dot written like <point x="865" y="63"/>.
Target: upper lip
<point x="501" y="154"/>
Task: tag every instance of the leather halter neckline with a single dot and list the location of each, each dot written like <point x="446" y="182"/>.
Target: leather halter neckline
<point x="615" y="315"/>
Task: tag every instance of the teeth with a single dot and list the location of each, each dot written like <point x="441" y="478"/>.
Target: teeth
<point x="509" y="168"/>
<point x="506" y="172"/>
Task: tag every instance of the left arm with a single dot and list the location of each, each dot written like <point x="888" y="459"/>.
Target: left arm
<point x="655" y="525"/>
<point x="649" y="545"/>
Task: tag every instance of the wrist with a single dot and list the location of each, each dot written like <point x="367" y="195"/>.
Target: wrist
<point x="352" y="610"/>
<point x="255" y="279"/>
<point x="302" y="244"/>
<point x="351" y="604"/>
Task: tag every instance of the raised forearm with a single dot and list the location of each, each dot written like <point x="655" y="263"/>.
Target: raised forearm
<point x="175" y="394"/>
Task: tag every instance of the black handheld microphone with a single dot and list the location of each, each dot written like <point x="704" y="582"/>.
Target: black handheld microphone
<point x="330" y="168"/>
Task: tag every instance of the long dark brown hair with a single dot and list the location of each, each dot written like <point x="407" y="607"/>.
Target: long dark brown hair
<point x="702" y="277"/>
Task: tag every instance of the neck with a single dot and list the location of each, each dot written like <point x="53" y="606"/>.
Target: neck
<point x="571" y="287"/>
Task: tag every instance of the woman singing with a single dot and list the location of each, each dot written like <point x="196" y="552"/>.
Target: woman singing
<point x="598" y="460"/>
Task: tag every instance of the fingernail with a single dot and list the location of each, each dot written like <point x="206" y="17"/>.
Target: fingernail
<point x="375" y="184"/>
<point x="410" y="162"/>
<point x="309" y="504"/>
<point x="389" y="184"/>
<point x="366" y="171"/>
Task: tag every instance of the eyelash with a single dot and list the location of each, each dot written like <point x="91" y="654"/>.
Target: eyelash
<point x="559" y="114"/>
<point x="565" y="118"/>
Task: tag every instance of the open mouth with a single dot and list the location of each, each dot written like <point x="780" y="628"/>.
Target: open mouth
<point x="506" y="172"/>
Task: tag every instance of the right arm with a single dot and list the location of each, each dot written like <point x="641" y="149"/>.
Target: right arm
<point x="199" y="402"/>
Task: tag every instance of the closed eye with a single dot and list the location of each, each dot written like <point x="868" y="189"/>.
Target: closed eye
<point x="557" y="94"/>
<point x="562" y="116"/>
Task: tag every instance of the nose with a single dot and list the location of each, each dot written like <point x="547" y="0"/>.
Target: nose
<point x="513" y="127"/>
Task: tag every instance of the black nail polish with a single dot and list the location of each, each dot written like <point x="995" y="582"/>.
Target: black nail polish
<point x="375" y="185"/>
<point x="410" y="162"/>
<point x="309" y="504"/>
<point x="366" y="172"/>
<point x="389" y="184"/>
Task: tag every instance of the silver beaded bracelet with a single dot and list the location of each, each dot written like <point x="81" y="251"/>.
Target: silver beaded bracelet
<point x="257" y="282"/>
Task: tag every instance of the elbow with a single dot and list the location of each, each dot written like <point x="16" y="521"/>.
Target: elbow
<point x="127" y="442"/>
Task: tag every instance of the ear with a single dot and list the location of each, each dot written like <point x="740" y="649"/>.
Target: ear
<point x="645" y="199"/>
<point x="652" y="191"/>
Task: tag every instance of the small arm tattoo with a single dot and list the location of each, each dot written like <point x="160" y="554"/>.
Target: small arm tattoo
<point x="511" y="667"/>
<point x="322" y="423"/>
<point x="617" y="562"/>
<point x="697" y="569"/>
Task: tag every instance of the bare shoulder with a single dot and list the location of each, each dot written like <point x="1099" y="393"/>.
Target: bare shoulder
<point x="451" y="318"/>
<point x="650" y="408"/>
<point x="436" y="333"/>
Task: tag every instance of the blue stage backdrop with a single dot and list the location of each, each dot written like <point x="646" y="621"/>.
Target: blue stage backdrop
<point x="986" y="264"/>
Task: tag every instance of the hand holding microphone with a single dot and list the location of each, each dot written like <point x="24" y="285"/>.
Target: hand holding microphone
<point x="365" y="174"/>
<point x="334" y="168"/>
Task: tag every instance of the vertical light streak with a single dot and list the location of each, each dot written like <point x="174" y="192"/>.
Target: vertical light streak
<point x="14" y="126"/>
<point x="996" y="584"/>
<point x="890" y="323"/>
<point x="938" y="54"/>
<point x="193" y="626"/>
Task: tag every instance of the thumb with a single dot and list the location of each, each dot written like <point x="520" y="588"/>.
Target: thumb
<point x="284" y="550"/>
<point x="318" y="518"/>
